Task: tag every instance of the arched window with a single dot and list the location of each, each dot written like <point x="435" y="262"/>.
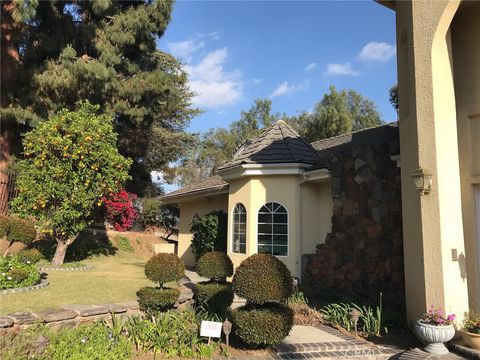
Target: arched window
<point x="239" y="238"/>
<point x="273" y="229"/>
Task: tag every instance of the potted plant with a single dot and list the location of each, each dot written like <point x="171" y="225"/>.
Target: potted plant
<point x="471" y="329"/>
<point x="434" y="329"/>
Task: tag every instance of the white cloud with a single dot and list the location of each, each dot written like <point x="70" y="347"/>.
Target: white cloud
<point x="284" y="88"/>
<point x="377" y="51"/>
<point x="185" y="49"/>
<point x="214" y="86"/>
<point x="310" y="67"/>
<point x="341" y="69"/>
<point x="257" y="81"/>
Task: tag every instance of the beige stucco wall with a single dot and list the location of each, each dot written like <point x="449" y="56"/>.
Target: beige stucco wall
<point x="316" y="214"/>
<point x="309" y="213"/>
<point x="465" y="36"/>
<point x="189" y="208"/>
<point x="432" y="224"/>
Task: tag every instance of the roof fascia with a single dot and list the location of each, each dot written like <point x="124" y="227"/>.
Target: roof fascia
<point x="262" y="169"/>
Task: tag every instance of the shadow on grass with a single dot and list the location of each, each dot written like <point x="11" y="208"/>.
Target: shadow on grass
<point x="86" y="245"/>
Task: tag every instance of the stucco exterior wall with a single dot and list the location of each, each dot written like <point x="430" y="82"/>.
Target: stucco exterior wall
<point x="465" y="37"/>
<point x="432" y="224"/>
<point x="187" y="210"/>
<point x="316" y="215"/>
<point x="254" y="192"/>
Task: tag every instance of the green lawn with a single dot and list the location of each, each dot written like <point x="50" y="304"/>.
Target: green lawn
<point x="114" y="278"/>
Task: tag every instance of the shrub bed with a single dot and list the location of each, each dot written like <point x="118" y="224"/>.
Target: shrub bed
<point x="153" y="300"/>
<point x="268" y="324"/>
<point x="214" y="297"/>
<point x="14" y="273"/>
<point x="30" y="256"/>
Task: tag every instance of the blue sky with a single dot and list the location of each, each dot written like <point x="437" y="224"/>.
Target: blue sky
<point x="291" y="52"/>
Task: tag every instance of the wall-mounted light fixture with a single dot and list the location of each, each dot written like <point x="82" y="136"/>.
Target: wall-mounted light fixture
<point x="423" y="181"/>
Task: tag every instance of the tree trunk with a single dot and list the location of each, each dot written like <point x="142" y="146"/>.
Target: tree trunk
<point x="10" y="60"/>
<point x="61" y="250"/>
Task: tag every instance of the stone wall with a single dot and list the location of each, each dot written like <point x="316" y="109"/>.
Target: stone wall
<point x="363" y="254"/>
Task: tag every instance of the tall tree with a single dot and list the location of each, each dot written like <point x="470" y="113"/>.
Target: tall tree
<point x="106" y="52"/>
<point x="217" y="146"/>
<point x="337" y="113"/>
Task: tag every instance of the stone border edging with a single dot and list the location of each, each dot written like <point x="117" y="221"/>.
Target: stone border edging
<point x="71" y="268"/>
<point x="40" y="285"/>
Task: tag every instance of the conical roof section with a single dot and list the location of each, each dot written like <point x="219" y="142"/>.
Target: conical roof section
<point x="278" y="143"/>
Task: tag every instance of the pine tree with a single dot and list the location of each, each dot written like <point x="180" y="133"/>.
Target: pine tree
<point x="105" y="52"/>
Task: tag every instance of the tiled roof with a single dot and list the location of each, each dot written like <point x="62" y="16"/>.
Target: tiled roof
<point x="278" y="143"/>
<point x="327" y="148"/>
<point x="212" y="184"/>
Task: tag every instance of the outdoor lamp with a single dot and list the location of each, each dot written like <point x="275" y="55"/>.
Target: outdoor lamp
<point x="227" y="329"/>
<point x="354" y="316"/>
<point x="295" y="282"/>
<point x="423" y="181"/>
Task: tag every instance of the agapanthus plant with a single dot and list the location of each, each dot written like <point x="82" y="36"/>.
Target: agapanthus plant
<point x="437" y="316"/>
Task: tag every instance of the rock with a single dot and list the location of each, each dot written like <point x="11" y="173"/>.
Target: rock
<point x="349" y="207"/>
<point x="23" y="318"/>
<point x="51" y="315"/>
<point x="358" y="179"/>
<point x="6" y="322"/>
<point x="86" y="310"/>
<point x="132" y="305"/>
<point x="114" y="308"/>
<point x="359" y="163"/>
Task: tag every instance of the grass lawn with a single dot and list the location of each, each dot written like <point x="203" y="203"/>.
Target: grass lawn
<point x="114" y="278"/>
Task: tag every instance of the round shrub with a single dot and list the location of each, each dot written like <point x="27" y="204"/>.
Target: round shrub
<point x="152" y="299"/>
<point x="215" y="265"/>
<point x="214" y="297"/>
<point x="15" y="273"/>
<point x="3" y="225"/>
<point x="268" y="324"/>
<point x="30" y="256"/>
<point x="262" y="278"/>
<point x="163" y="268"/>
<point x="21" y="230"/>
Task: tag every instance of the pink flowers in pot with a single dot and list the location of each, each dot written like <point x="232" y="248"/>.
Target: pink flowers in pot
<point x="437" y="317"/>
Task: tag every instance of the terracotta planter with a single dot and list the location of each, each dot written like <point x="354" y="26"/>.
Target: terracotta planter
<point x="434" y="336"/>
<point x="472" y="340"/>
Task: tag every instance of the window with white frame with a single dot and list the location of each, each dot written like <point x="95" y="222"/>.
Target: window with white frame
<point x="239" y="238"/>
<point x="273" y="229"/>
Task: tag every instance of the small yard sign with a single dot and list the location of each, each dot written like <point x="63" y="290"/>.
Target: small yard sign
<point x="211" y="329"/>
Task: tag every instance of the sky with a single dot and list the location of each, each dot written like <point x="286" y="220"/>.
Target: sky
<point x="290" y="52"/>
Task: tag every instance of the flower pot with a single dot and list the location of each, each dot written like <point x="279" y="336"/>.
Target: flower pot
<point x="471" y="340"/>
<point x="434" y="336"/>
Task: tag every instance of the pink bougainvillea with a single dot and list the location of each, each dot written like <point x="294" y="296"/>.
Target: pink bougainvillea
<point x="119" y="210"/>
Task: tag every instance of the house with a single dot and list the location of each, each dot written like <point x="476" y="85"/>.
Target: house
<point x="298" y="201"/>
<point x="389" y="207"/>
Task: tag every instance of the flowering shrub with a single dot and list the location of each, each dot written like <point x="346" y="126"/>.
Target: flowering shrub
<point x="16" y="273"/>
<point x="120" y="212"/>
<point x="437" y="317"/>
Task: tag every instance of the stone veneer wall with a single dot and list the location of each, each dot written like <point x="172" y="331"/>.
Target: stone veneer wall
<point x="363" y="254"/>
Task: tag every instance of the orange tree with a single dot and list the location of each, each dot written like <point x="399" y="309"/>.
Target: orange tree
<point x="70" y="162"/>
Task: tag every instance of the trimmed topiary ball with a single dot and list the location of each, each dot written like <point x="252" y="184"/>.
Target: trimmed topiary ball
<point x="262" y="278"/>
<point x="163" y="268"/>
<point x="215" y="265"/>
<point x="214" y="297"/>
<point x="264" y="325"/>
<point x="152" y="299"/>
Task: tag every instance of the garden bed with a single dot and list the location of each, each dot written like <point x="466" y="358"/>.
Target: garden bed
<point x="64" y="267"/>
<point x="40" y="285"/>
